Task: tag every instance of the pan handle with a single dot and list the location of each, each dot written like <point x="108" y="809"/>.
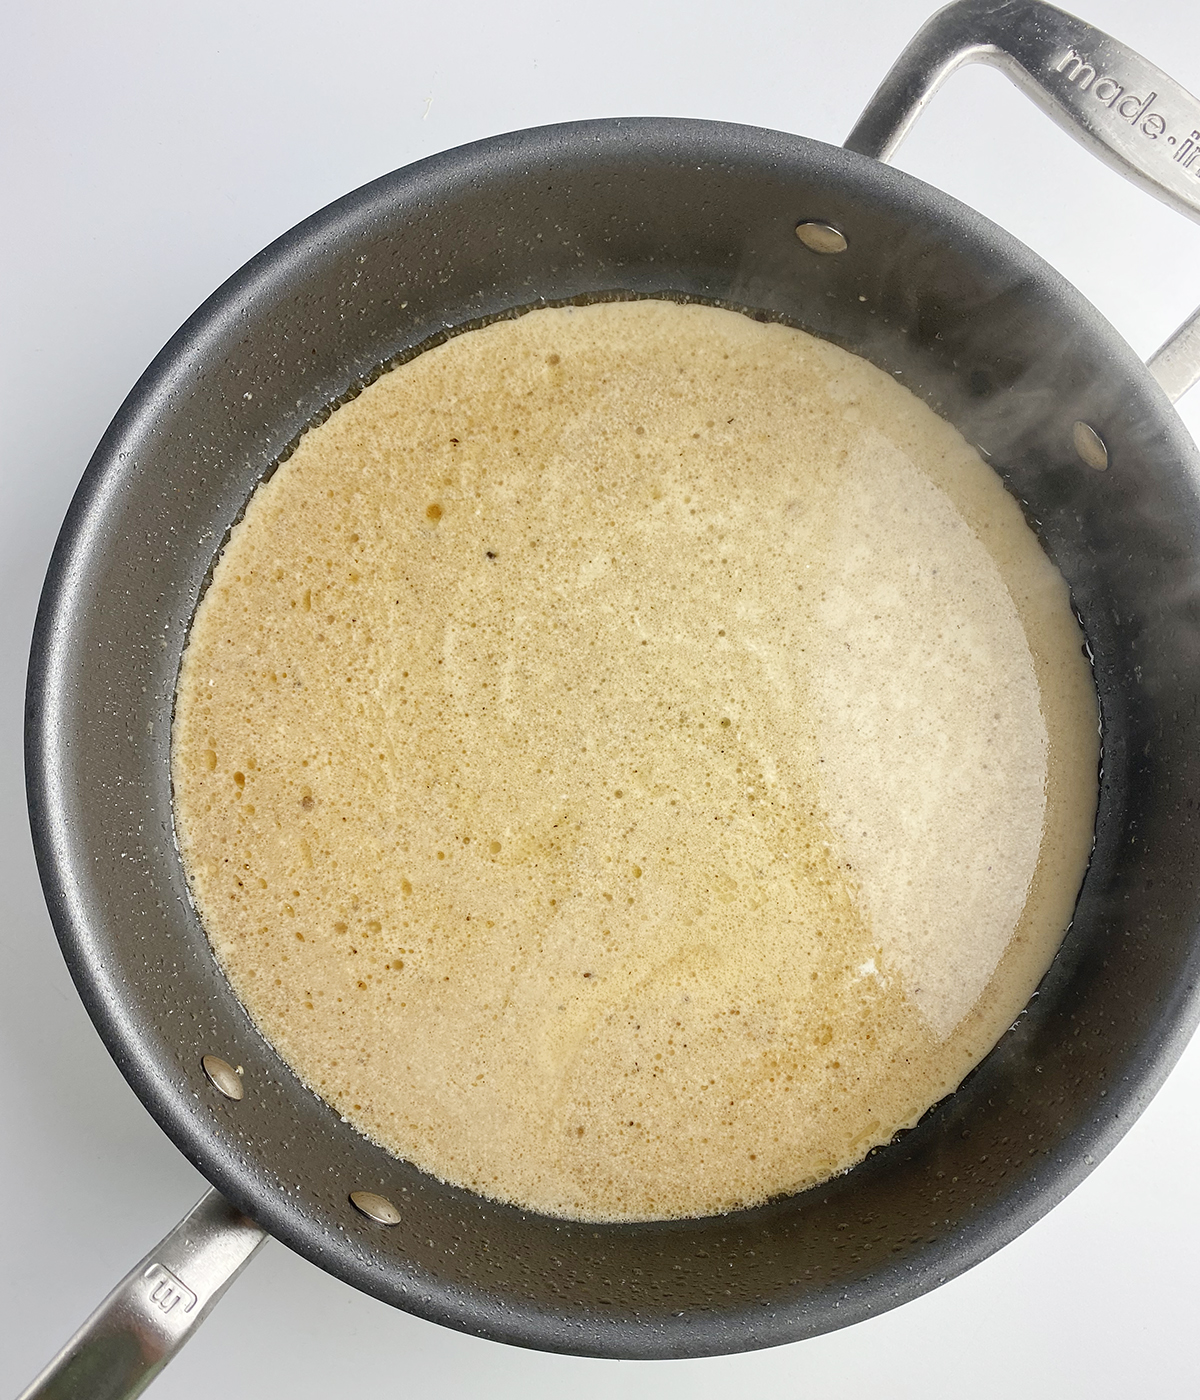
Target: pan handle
<point x="1110" y="99"/>
<point x="154" y="1309"/>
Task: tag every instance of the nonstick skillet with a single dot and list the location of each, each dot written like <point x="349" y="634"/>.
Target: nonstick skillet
<point x="828" y="239"/>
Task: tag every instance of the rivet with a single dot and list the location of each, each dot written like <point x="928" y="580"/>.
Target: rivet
<point x="821" y="238"/>
<point x="377" y="1208"/>
<point x="223" y="1077"/>
<point x="1090" y="446"/>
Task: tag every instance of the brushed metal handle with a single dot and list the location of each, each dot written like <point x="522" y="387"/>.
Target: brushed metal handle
<point x="154" y="1309"/>
<point x="1114" y="102"/>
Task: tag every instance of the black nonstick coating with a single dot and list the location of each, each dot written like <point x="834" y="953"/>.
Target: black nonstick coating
<point x="997" y="343"/>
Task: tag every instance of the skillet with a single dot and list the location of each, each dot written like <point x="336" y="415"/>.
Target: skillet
<point x="970" y="320"/>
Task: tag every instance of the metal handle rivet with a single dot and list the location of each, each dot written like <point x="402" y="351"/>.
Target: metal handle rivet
<point x="377" y="1208"/>
<point x="1090" y="446"/>
<point x="223" y="1077"/>
<point x="821" y="238"/>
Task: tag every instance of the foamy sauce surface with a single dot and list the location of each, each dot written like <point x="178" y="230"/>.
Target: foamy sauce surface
<point x="631" y="760"/>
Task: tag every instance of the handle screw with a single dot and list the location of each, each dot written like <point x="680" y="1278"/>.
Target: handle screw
<point x="1090" y="446"/>
<point x="821" y="238"/>
<point x="377" y="1208"/>
<point x="223" y="1077"/>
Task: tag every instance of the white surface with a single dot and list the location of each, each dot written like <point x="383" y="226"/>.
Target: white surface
<point x="150" y="149"/>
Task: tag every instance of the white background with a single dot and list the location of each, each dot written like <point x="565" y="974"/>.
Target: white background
<point x="149" y="150"/>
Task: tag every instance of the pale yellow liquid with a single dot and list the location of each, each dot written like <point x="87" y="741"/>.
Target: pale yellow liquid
<point x="632" y="760"/>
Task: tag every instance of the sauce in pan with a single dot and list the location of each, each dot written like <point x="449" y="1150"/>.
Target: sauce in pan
<point x="632" y="760"/>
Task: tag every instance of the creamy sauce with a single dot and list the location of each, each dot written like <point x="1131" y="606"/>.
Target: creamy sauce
<point x="631" y="760"/>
